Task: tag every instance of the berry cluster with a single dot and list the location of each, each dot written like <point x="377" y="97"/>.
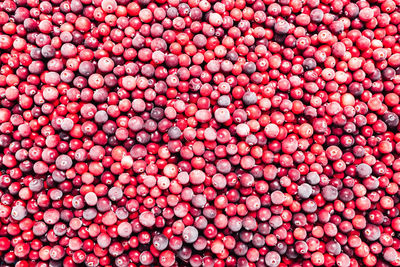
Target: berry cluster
<point x="209" y="133"/>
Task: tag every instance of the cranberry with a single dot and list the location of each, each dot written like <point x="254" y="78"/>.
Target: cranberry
<point x="248" y="133"/>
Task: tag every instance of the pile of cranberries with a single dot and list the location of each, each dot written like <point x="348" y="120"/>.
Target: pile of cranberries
<point x="249" y="133"/>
